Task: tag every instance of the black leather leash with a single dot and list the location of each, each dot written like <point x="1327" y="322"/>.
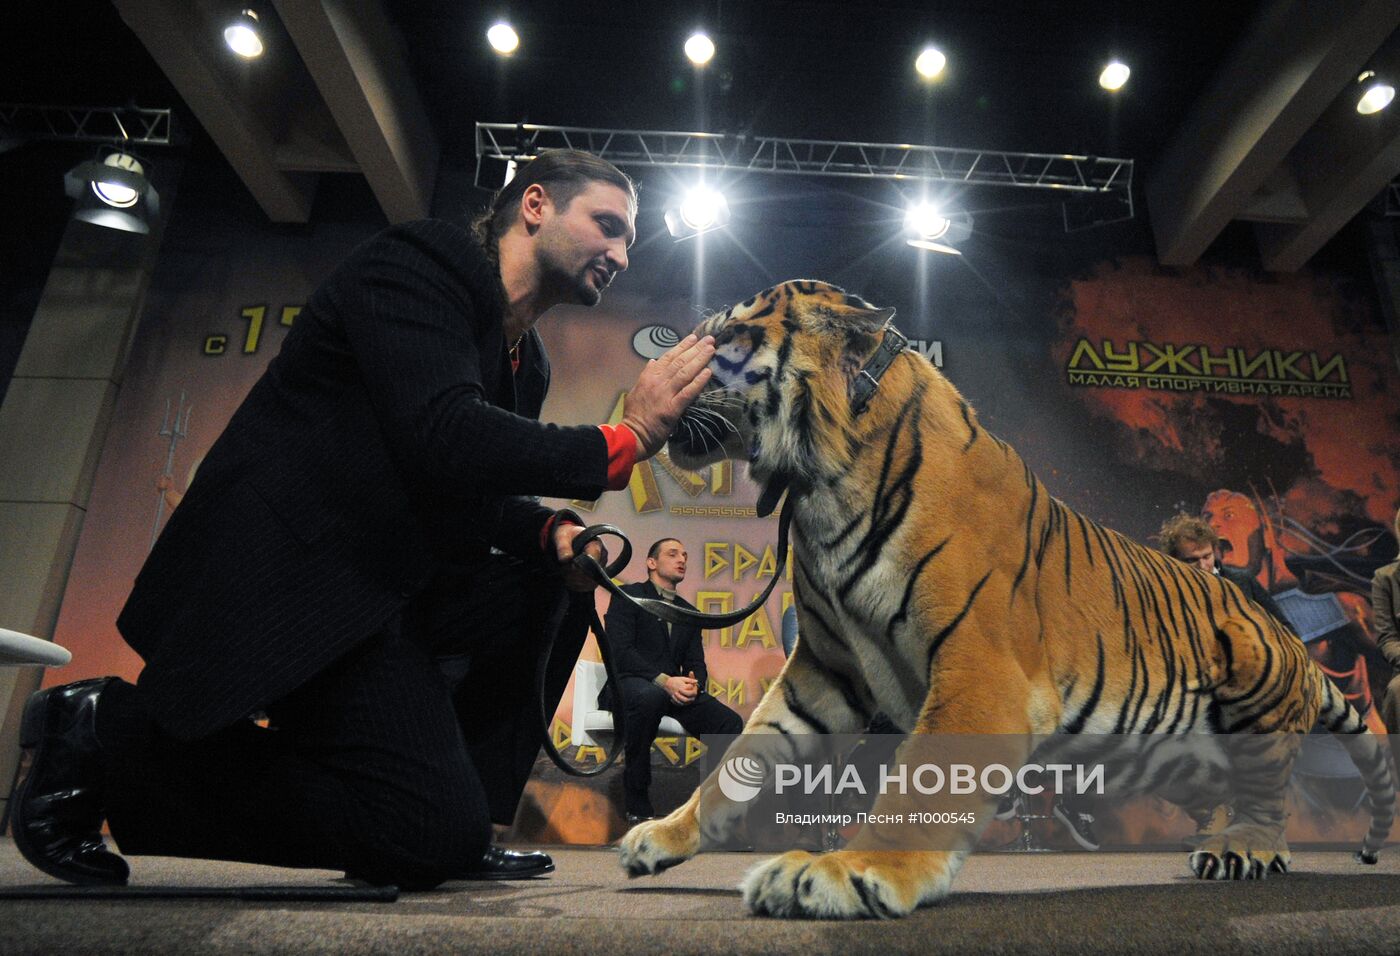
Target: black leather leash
<point x="547" y="706"/>
<point x="892" y="344"/>
<point x="665" y="610"/>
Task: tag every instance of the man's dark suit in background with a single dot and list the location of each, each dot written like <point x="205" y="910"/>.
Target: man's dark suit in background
<point x="1385" y="617"/>
<point x="1256" y="592"/>
<point x="644" y="649"/>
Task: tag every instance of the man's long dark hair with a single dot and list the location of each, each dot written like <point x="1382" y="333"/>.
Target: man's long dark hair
<point x="564" y="173"/>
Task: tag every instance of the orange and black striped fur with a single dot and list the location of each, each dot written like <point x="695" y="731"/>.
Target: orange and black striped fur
<point x="939" y="583"/>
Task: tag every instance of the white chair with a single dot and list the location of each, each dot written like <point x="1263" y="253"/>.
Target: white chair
<point x="21" y="650"/>
<point x="589" y="677"/>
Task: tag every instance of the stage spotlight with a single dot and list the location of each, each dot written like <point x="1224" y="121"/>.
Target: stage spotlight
<point x="503" y="38"/>
<point x="243" y="37"/>
<point x="930" y="62"/>
<point x="930" y="229"/>
<point x="926" y="221"/>
<point x="1375" y="95"/>
<point x="1114" y="76"/>
<point x="113" y="192"/>
<point x="699" y="48"/>
<point x="701" y="210"/>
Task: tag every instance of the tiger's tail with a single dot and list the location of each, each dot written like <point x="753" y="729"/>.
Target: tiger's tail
<point x="1371" y="757"/>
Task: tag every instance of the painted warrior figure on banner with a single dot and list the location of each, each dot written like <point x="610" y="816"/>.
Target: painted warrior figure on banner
<point x="1329" y="611"/>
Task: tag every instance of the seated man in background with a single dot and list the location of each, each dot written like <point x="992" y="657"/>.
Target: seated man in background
<point x="662" y="671"/>
<point x="1189" y="539"/>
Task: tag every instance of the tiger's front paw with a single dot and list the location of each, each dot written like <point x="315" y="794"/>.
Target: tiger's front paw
<point x="650" y="847"/>
<point x="848" y="884"/>
<point x="1247" y="852"/>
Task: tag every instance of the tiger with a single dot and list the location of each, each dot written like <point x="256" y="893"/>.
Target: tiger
<point x="939" y="583"/>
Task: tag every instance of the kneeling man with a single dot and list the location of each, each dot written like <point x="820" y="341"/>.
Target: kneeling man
<point x="662" y="670"/>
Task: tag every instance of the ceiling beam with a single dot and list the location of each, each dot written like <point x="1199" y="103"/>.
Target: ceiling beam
<point x="1342" y="163"/>
<point x="349" y="48"/>
<point x="1333" y="201"/>
<point x="1273" y="88"/>
<point x="177" y="38"/>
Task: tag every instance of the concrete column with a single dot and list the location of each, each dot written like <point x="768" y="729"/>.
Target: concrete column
<point x="53" y="425"/>
<point x="1385" y="267"/>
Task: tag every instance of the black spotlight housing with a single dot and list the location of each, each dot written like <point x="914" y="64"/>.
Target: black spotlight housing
<point x="113" y="192"/>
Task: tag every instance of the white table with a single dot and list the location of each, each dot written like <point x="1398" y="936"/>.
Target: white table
<point x="21" y="650"/>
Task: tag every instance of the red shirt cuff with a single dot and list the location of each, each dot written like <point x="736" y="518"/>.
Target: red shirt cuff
<point x="547" y="532"/>
<point x="622" y="454"/>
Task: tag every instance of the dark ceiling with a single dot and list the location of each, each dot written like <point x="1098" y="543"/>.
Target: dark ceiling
<point x="1022" y="75"/>
<point x="1236" y="111"/>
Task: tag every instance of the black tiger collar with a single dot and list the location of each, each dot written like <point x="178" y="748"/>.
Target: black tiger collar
<point x="867" y="380"/>
<point x="863" y="386"/>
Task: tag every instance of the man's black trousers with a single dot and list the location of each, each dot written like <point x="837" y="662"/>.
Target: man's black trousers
<point x="391" y="764"/>
<point x="646" y="704"/>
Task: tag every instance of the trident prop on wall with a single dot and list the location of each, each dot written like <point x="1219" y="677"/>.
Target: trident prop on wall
<point x="174" y="430"/>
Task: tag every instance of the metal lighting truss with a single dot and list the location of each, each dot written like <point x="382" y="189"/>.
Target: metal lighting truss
<point x="119" y="125"/>
<point x="1088" y="177"/>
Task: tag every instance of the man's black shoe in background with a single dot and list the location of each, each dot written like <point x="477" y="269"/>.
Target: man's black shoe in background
<point x="1079" y="824"/>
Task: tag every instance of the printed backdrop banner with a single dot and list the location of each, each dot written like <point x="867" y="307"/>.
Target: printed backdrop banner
<point x="220" y="301"/>
<point x="1268" y="405"/>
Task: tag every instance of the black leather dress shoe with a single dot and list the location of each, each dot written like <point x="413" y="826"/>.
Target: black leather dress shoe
<point x="635" y="818"/>
<point x="58" y="807"/>
<point x="498" y="863"/>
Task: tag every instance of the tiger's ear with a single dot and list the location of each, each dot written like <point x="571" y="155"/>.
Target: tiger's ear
<point x="857" y="315"/>
<point x="879" y="318"/>
<point x="859" y="328"/>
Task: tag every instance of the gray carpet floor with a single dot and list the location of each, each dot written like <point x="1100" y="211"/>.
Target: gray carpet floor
<point x="1002" y="903"/>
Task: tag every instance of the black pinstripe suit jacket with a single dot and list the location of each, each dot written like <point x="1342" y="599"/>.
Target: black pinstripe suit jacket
<point x="382" y="440"/>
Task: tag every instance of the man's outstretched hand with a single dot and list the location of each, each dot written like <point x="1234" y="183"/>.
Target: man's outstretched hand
<point x="664" y="390"/>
